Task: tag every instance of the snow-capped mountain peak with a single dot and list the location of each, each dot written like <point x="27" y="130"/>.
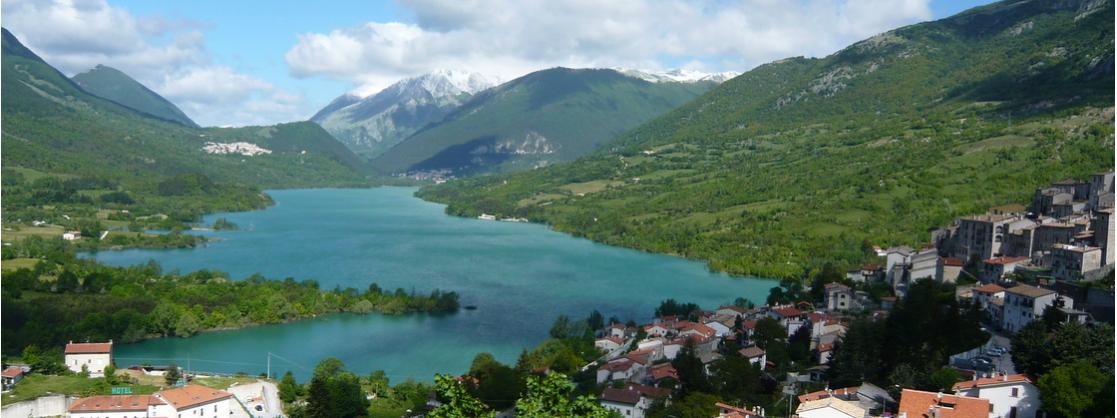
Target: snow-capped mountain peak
<point x="677" y="75"/>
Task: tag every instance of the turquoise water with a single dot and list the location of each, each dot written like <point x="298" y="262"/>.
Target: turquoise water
<point x="520" y="277"/>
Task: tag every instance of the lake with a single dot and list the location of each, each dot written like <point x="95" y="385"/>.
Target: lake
<point x="520" y="276"/>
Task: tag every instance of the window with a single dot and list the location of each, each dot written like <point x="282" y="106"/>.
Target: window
<point x="990" y="408"/>
<point x="1015" y="392"/>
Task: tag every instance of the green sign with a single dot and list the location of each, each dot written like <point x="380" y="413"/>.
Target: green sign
<point x="122" y="390"/>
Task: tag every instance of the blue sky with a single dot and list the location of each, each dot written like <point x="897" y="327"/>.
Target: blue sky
<point x="242" y="62"/>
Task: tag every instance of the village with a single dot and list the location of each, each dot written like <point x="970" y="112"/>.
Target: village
<point x="1014" y="263"/>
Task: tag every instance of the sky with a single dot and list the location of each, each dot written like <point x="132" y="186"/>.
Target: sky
<point x="236" y="63"/>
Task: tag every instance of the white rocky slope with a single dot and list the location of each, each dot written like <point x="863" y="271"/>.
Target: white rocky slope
<point x="677" y="75"/>
<point x="370" y="125"/>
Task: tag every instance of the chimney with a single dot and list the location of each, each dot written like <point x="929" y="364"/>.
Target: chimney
<point x="939" y="397"/>
<point x="1004" y="377"/>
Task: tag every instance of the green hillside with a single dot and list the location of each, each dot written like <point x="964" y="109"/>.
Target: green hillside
<point x="65" y="149"/>
<point x="544" y="117"/>
<point x="112" y="84"/>
<point x="802" y="161"/>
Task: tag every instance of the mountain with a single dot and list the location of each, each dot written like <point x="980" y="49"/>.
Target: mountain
<point x="804" y="161"/>
<point x="51" y="125"/>
<point x="678" y="75"/>
<point x="541" y="118"/>
<point x="112" y="84"/>
<point x="371" y="125"/>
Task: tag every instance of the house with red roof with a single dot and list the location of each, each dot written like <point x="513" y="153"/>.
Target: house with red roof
<point x="608" y="343"/>
<point x="755" y="355"/>
<point x="632" y="400"/>
<point x="11" y="376"/>
<point x="951" y="269"/>
<point x="920" y="404"/>
<point x="789" y="316"/>
<point x="996" y="268"/>
<point x="1011" y="395"/>
<point x="187" y="401"/>
<point x="657" y="373"/>
<point x="90" y="357"/>
<point x="730" y="411"/>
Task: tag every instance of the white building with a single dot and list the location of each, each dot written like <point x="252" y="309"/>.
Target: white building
<point x="1011" y="396"/>
<point x="608" y="344"/>
<point x="755" y="355"/>
<point x="71" y="235"/>
<point x="926" y="264"/>
<point x="839" y="297"/>
<point x="94" y="357"/>
<point x="116" y="406"/>
<point x="633" y="400"/>
<point x="193" y="401"/>
<point x="1025" y="303"/>
<point x="1071" y="262"/>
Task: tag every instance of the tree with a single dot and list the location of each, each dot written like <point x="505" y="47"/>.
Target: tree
<point x="110" y="375"/>
<point x="1031" y="351"/>
<point x="551" y="396"/>
<point x="172" y="375"/>
<point x="288" y="388"/>
<point x="944" y="379"/>
<point x="768" y="330"/>
<point x="1071" y="389"/>
<point x="456" y="400"/>
<point x="334" y="392"/>
<point x="560" y="327"/>
<point x="696" y="405"/>
<point x="691" y="371"/>
<point x="595" y="321"/>
<point x="378" y="382"/>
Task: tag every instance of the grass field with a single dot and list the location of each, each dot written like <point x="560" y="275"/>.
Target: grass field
<point x="36" y="385"/>
<point x="20" y="232"/>
<point x="18" y="263"/>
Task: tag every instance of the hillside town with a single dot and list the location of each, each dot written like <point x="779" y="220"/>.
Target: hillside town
<point x="1014" y="263"/>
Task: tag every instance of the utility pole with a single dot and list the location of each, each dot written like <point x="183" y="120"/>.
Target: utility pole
<point x="269" y="364"/>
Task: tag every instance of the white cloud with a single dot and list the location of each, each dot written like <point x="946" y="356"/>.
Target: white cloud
<point x="509" y="38"/>
<point x="168" y="56"/>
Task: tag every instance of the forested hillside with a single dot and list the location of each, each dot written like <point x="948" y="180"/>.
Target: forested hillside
<point x="112" y="84"/>
<point x="542" y="118"/>
<point x="804" y="161"/>
<point x="65" y="150"/>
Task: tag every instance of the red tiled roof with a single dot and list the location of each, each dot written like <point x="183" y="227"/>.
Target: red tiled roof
<point x="951" y="261"/>
<point x="992" y="381"/>
<point x="871" y="267"/>
<point x="751" y="352"/>
<point x="822" y="348"/>
<point x="919" y="404"/>
<point x="684" y="326"/>
<point x="113" y="403"/>
<point x="631" y="394"/>
<point x="12" y="371"/>
<point x="1006" y="260"/>
<point x="618" y="365"/>
<point x="662" y="371"/>
<point x="823" y="394"/>
<point x="617" y="340"/>
<point x="989" y="288"/>
<point x="640" y="356"/>
<point x="89" y="348"/>
<point x="190" y="395"/>
<point x="787" y="312"/>
<point x="749" y="324"/>
<point x="730" y="411"/>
